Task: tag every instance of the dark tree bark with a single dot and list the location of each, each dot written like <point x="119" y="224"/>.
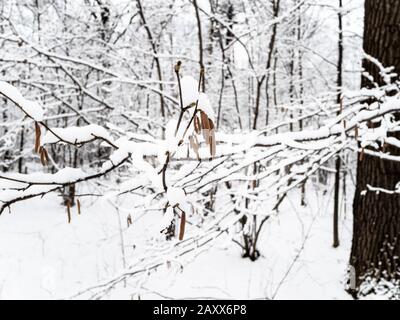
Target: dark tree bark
<point x="21" y="150"/>
<point x="376" y="229"/>
<point x="338" y="101"/>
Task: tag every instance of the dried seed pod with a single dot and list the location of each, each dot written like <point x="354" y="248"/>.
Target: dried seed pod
<point x="129" y="220"/>
<point x="197" y="126"/>
<point x="212" y="143"/>
<point x="196" y="147"/>
<point x="78" y="203"/>
<point x="205" y="125"/>
<point x="192" y="144"/>
<point x="69" y="211"/>
<point x="211" y="124"/>
<point x="37" y="137"/>
<point x="182" y="226"/>
<point x="42" y="156"/>
<point x="46" y="155"/>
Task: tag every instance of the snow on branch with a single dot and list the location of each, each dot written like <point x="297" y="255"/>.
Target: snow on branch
<point x="19" y="187"/>
<point x="335" y="127"/>
<point x="386" y="73"/>
<point x="31" y="109"/>
<point x="77" y="135"/>
<point x="309" y="140"/>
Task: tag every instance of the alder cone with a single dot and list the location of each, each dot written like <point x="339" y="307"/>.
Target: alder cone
<point x="69" y="211"/>
<point x="37" y="137"/>
<point x="129" y="220"/>
<point x="44" y="157"/>
<point x="197" y="126"/>
<point x="182" y="226"/>
<point x="206" y="127"/>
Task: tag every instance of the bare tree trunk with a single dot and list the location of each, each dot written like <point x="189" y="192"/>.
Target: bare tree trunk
<point x="21" y="150"/>
<point x="271" y="53"/>
<point x="105" y="19"/>
<point x="338" y="101"/>
<point x="156" y="59"/>
<point x="301" y="90"/>
<point x="292" y="88"/>
<point x="228" y="74"/>
<point x="199" y="32"/>
<point x="376" y="227"/>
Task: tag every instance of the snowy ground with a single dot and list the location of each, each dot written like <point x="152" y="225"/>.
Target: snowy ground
<point x="43" y="257"/>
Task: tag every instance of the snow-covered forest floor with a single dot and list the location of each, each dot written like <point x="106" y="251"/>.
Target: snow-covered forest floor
<point x="43" y="257"/>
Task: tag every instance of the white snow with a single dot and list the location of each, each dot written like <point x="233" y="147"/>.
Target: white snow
<point x="176" y="196"/>
<point x="167" y="218"/>
<point x="190" y="92"/>
<point x="51" y="259"/>
<point x="172" y="140"/>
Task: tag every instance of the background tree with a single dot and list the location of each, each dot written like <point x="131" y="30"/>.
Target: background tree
<point x="338" y="101"/>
